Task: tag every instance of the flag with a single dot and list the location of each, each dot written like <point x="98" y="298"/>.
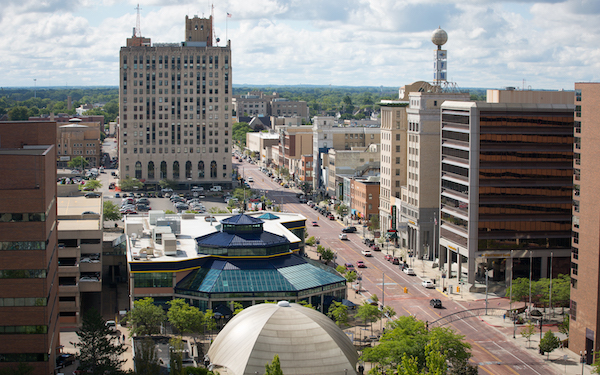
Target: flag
<point x="228" y="15"/>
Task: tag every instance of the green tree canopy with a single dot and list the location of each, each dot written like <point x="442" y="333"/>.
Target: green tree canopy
<point x="18" y="113"/>
<point x="238" y="132"/>
<point x="339" y="313"/>
<point x="110" y="211"/>
<point x="78" y="162"/>
<point x="548" y="343"/>
<point x="145" y="317"/>
<point x="273" y="368"/>
<point x="185" y="318"/>
<point x="98" y="351"/>
<point x="129" y="184"/>
<point x="93" y="185"/>
<point x="146" y="358"/>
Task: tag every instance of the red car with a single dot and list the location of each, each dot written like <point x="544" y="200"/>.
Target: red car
<point x="331" y="217"/>
<point x="375" y="247"/>
<point x="315" y="224"/>
<point x="388" y="257"/>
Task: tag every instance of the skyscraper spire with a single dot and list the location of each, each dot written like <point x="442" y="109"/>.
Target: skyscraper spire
<point x="138" y="31"/>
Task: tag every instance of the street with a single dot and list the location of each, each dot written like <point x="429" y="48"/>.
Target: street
<point x="492" y="349"/>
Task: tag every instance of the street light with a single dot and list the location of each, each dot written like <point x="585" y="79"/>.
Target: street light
<point x="486" y="290"/>
<point x="582" y="359"/>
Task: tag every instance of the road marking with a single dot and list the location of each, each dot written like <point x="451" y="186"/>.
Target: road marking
<point x="520" y="360"/>
<point x="496" y="358"/>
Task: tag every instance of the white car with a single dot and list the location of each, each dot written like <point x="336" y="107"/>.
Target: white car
<point x="409" y="271"/>
<point x="366" y="253"/>
<point x="250" y="179"/>
<point x="343" y="236"/>
<point x="428" y="284"/>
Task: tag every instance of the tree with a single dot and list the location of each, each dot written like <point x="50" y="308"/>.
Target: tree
<point x="176" y="355"/>
<point x="146" y="358"/>
<point x="274" y="368"/>
<point x="19" y="113"/>
<point x="338" y="312"/>
<point x="409" y="336"/>
<point x="92" y="185"/>
<point x="185" y="318"/>
<point x="110" y="211"/>
<point x="327" y="255"/>
<point x="164" y="183"/>
<point x="128" y="184"/>
<point x="145" y="317"/>
<point x="563" y="327"/>
<point x="388" y="311"/>
<point x="528" y="331"/>
<point x="209" y="320"/>
<point x="310" y="241"/>
<point x="237" y="308"/>
<point x="373" y="223"/>
<point x="78" y="162"/>
<point x="342" y="209"/>
<point x="341" y="269"/>
<point x="238" y="132"/>
<point x="98" y="352"/>
<point x="548" y="343"/>
<point x="351" y="276"/>
<point x="368" y="313"/>
<point x="463" y="367"/>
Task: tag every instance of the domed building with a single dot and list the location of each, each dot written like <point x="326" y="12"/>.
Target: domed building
<point x="313" y="344"/>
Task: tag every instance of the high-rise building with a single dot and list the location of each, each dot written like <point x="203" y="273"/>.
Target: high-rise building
<point x="506" y="190"/>
<point x="585" y="301"/>
<point x="175" y="110"/>
<point x="28" y="243"/>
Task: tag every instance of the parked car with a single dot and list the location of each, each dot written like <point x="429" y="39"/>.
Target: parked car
<point x="331" y="217"/>
<point x="343" y="236"/>
<point x="395" y="260"/>
<point x="409" y="272"/>
<point x="250" y="179"/>
<point x="216" y="188"/>
<point x="387" y="257"/>
<point x="349" y="266"/>
<point x="435" y="303"/>
<point x="366" y="253"/>
<point x="360" y="264"/>
<point x="349" y="230"/>
<point x="315" y="224"/>
<point x="92" y="195"/>
<point x="375" y="247"/>
<point x="65" y="360"/>
<point x="428" y="284"/>
<point x="117" y="195"/>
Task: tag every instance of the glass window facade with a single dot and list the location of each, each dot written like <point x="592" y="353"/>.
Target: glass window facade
<point x="153" y="280"/>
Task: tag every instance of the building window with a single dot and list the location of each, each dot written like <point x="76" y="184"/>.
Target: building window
<point x="153" y="280"/>
<point x="573" y="309"/>
<point x="176" y="170"/>
<point x="138" y="170"/>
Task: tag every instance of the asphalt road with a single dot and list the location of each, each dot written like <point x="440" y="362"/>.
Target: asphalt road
<point x="492" y="350"/>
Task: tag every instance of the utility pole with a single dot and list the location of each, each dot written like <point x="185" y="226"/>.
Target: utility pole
<point x="486" y="290"/>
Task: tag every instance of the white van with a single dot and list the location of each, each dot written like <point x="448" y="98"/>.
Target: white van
<point x="216" y="188"/>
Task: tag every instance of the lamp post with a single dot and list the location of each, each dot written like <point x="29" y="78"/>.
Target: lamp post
<point x="510" y="298"/>
<point x="582" y="359"/>
<point x="486" y="290"/>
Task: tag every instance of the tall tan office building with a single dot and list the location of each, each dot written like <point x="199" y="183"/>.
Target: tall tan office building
<point x="585" y="268"/>
<point x="175" y="109"/>
<point x="28" y="246"/>
<point x="394" y="127"/>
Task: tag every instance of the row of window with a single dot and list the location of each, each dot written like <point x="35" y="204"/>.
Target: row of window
<point x="18" y="302"/>
<point x="175" y="60"/>
<point x="153" y="280"/>
<point x="166" y="150"/>
<point x="21" y="217"/>
<point x="22" y="245"/>
<point x="23" y="274"/>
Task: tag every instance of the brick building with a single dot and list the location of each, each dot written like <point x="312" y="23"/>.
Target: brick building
<point x="28" y="240"/>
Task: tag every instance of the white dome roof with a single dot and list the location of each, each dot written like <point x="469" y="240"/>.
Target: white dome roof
<point x="306" y="341"/>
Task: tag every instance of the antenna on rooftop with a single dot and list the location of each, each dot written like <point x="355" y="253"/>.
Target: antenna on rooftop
<point x="138" y="31"/>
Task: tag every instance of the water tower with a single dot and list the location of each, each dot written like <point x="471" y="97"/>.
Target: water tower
<point x="439" y="38"/>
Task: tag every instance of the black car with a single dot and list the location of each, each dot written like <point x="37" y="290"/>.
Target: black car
<point x="65" y="360"/>
<point x="435" y="303"/>
<point x="92" y="195"/>
<point x="349" y="230"/>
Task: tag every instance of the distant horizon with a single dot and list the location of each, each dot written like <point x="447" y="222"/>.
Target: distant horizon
<point x="517" y="88"/>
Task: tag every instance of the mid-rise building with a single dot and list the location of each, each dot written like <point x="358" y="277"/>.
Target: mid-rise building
<point x="240" y="258"/>
<point x="420" y="195"/>
<point x="394" y="154"/>
<point x="29" y="280"/>
<point x="359" y="162"/>
<point x="364" y="195"/>
<point x="79" y="258"/>
<point x="506" y="190"/>
<point x="175" y="108"/>
<point x="327" y="135"/>
<point x="585" y="301"/>
<point x="79" y="139"/>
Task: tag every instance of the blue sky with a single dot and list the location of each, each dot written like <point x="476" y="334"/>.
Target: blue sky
<point x="549" y="44"/>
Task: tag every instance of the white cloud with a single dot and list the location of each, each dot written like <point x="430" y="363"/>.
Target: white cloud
<point x="355" y="42"/>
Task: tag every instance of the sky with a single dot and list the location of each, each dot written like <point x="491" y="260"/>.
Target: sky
<point x="537" y="44"/>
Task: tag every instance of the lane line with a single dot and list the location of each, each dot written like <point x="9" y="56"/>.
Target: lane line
<point x="520" y="360"/>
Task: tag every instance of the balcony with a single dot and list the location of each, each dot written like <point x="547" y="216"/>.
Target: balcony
<point x="69" y="270"/>
<point x="68" y="288"/>
<point x="86" y="285"/>
<point x="68" y="252"/>
<point x="68" y="306"/>
<point x="90" y="267"/>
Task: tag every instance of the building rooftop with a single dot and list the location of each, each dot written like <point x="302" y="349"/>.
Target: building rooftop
<point x="139" y="230"/>
<point x="75" y="206"/>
